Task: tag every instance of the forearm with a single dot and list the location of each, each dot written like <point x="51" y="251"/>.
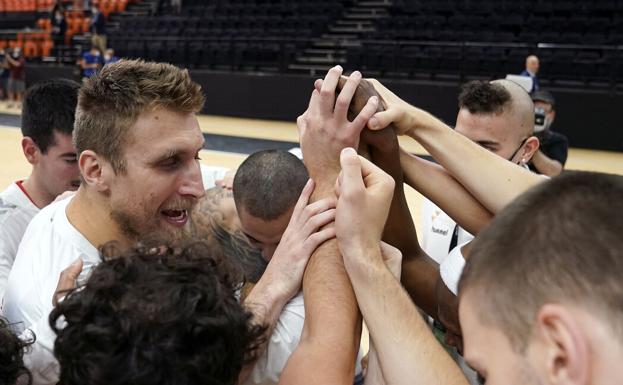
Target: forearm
<point x="266" y="304"/>
<point x="399" y="230"/>
<point x="374" y="373"/>
<point x="440" y="187"/>
<point x="546" y="165"/>
<point x="494" y="181"/>
<point x="407" y="350"/>
<point x="332" y="329"/>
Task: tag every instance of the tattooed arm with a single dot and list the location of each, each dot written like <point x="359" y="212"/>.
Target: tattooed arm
<point x="216" y="221"/>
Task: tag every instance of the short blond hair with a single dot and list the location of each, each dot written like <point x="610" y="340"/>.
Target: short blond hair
<point x="111" y="101"/>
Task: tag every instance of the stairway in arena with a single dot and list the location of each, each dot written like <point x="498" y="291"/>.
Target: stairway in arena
<point x="330" y="48"/>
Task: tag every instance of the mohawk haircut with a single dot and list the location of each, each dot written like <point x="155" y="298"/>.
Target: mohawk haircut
<point x="481" y="96"/>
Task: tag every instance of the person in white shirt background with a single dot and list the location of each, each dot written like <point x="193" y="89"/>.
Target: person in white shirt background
<point x="47" y="125"/>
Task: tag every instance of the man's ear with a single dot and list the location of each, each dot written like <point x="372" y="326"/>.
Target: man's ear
<point x="566" y="353"/>
<point x="94" y="170"/>
<point x="31" y="150"/>
<point x="529" y="149"/>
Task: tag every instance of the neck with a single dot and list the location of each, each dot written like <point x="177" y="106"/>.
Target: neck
<point x="37" y="193"/>
<point x="90" y="215"/>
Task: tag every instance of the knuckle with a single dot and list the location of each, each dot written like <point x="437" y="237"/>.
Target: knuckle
<point x="342" y="102"/>
<point x="324" y="92"/>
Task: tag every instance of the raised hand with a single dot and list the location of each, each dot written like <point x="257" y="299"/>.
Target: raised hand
<point x="364" y="195"/>
<point x="301" y="238"/>
<point x="401" y="114"/>
<point x="324" y="128"/>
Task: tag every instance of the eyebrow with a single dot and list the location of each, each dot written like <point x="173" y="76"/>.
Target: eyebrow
<point x="174" y="152"/>
<point x="487" y="143"/>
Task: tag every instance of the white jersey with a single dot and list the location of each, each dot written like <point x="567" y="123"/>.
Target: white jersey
<point x="211" y="174"/>
<point x="284" y="340"/>
<point x="16" y="211"/>
<point x="437" y="232"/>
<point x="49" y="245"/>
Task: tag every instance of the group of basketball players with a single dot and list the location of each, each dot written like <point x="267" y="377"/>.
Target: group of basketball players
<point x="159" y="271"/>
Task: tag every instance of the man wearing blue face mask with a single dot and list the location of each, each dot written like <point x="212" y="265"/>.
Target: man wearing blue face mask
<point x="552" y="154"/>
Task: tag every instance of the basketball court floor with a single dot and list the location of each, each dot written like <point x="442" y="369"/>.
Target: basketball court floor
<point x="230" y="140"/>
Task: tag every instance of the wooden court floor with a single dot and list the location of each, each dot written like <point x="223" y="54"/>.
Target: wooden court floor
<point x="13" y="166"/>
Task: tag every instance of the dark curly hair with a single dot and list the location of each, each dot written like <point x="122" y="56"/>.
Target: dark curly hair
<point x="481" y="96"/>
<point x="11" y="356"/>
<point x="156" y="315"/>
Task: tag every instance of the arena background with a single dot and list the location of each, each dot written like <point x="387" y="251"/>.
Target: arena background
<point x="257" y="59"/>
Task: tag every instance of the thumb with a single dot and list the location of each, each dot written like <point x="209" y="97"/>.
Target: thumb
<point x="73" y="271"/>
<point x="382" y="119"/>
<point x="351" y="171"/>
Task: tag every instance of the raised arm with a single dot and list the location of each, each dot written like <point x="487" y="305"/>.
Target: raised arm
<point x="495" y="183"/>
<point x="435" y="183"/>
<point x="331" y="334"/>
<point x="419" y="272"/>
<point x="407" y="350"/>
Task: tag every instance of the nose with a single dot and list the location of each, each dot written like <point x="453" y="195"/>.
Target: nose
<point x="192" y="182"/>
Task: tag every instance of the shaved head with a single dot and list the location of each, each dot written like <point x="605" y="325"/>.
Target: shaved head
<point x="520" y="107"/>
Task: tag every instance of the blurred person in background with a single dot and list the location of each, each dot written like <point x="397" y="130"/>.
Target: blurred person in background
<point x="532" y="70"/>
<point x="17" y="77"/>
<point x="552" y="154"/>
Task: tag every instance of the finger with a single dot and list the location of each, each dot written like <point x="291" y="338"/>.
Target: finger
<point x="383" y="119"/>
<point x="366" y="113"/>
<point x="382" y="91"/>
<point x="315" y="103"/>
<point x="337" y="185"/>
<point x="352" y="180"/>
<point x="373" y="175"/>
<point x="318" y="207"/>
<point x="303" y="198"/>
<point x="318" y="220"/>
<point x="346" y="95"/>
<point x="318" y="238"/>
<point x="318" y="84"/>
<point x="67" y="280"/>
<point x="327" y="91"/>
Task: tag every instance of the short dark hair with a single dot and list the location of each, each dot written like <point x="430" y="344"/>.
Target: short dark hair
<point x="560" y="242"/>
<point x="11" y="355"/>
<point x="49" y="106"/>
<point x="268" y="183"/>
<point x="156" y="315"/>
<point x="484" y="97"/>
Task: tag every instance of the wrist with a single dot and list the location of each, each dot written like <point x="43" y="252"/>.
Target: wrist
<point x="266" y="304"/>
<point x="363" y="260"/>
<point x="422" y="123"/>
